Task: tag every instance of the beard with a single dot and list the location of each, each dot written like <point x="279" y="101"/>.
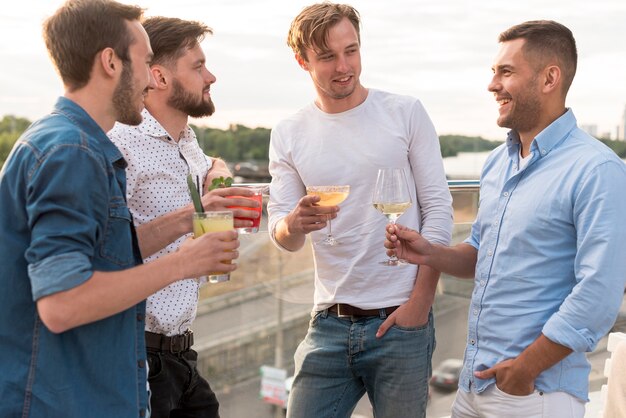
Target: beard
<point x="125" y="110"/>
<point x="187" y="102"/>
<point x="526" y="112"/>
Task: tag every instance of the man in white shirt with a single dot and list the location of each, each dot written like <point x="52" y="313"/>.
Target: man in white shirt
<point x="372" y="327"/>
<point x="161" y="152"/>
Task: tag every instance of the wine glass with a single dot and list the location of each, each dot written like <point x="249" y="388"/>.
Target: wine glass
<point x="329" y="196"/>
<point x="392" y="198"/>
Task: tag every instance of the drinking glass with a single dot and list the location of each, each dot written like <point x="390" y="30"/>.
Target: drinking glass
<point x="258" y="196"/>
<point x="392" y="198"/>
<point x="329" y="196"/>
<point x="216" y="221"/>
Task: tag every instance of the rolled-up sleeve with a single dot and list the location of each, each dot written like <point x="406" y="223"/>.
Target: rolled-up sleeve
<point x="67" y="206"/>
<point x="600" y="265"/>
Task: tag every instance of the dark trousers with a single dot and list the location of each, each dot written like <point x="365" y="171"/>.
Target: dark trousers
<point x="177" y="390"/>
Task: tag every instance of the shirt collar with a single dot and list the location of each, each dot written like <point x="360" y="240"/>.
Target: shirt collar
<point x="151" y="127"/>
<point x="75" y="113"/>
<point x="547" y="139"/>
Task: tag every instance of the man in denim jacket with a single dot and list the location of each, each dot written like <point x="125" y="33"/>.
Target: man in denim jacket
<point x="71" y="300"/>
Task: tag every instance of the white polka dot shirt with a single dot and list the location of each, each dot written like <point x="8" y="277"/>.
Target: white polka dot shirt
<point x="156" y="184"/>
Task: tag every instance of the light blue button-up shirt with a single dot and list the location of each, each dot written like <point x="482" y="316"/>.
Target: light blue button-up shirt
<point x="551" y="254"/>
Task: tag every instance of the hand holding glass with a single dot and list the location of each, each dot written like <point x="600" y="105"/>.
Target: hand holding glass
<point x="213" y="222"/>
<point x="329" y="196"/>
<point x="258" y="197"/>
<point x="392" y="198"/>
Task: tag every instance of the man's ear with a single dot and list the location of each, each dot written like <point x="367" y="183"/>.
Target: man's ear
<point x="161" y="76"/>
<point x="552" y="78"/>
<point x="109" y="62"/>
<point x="302" y="62"/>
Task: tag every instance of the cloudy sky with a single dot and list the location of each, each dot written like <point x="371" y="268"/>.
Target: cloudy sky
<point x="437" y="50"/>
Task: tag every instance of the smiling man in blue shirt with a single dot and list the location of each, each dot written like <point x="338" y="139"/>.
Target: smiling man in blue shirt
<point x="546" y="248"/>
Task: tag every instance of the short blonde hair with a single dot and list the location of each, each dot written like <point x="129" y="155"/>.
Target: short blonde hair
<point x="310" y="28"/>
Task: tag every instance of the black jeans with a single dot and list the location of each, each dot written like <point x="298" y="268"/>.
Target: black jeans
<point x="177" y="390"/>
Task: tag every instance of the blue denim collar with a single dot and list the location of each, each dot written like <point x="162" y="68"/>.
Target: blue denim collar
<point x="87" y="124"/>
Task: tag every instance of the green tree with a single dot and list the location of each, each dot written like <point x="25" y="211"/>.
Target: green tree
<point x="451" y="145"/>
<point x="11" y="128"/>
<point x="237" y="143"/>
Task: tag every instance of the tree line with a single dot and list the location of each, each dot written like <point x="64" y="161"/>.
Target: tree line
<point x="241" y="143"/>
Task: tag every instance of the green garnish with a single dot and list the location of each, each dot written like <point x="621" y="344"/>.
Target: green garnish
<point x="195" y="194"/>
<point x="221" y="182"/>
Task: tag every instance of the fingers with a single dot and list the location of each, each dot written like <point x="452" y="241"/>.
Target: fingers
<point x="384" y="327"/>
<point x="242" y="223"/>
<point x="307" y="217"/>
<point x="223" y="240"/>
<point x="224" y="199"/>
<point x="485" y="374"/>
<point x="244" y="213"/>
<point x="308" y="200"/>
<point x="232" y="191"/>
<point x="405" y="233"/>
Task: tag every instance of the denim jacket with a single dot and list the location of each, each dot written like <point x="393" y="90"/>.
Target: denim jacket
<point x="64" y="216"/>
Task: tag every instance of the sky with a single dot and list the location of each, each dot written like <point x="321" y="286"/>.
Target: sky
<point x="439" y="51"/>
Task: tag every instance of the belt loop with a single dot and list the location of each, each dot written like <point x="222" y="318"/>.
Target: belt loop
<point x="324" y="313"/>
<point x="382" y="313"/>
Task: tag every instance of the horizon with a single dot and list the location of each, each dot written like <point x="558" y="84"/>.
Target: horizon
<point x="440" y="53"/>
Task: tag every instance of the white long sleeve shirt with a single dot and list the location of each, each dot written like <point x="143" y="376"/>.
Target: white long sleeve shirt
<point x="317" y="148"/>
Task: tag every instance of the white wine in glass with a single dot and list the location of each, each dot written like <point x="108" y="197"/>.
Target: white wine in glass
<point x="391" y="198"/>
<point x="329" y="196"/>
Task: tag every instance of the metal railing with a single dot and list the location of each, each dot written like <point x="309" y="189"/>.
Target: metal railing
<point x="263" y="321"/>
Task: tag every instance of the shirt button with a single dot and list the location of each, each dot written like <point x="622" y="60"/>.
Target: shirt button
<point x="141" y="364"/>
<point x="475" y="311"/>
<point x="505" y="194"/>
<point x="139" y="317"/>
<point x="472" y="342"/>
<point x="482" y="283"/>
<point x="544" y="152"/>
<point x="142" y="412"/>
<point x="496" y="223"/>
<point x="490" y="253"/>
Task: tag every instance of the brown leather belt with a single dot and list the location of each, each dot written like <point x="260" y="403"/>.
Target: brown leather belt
<point x="174" y="344"/>
<point x="343" y="310"/>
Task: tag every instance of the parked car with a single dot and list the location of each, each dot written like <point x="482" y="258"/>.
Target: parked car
<point x="446" y="375"/>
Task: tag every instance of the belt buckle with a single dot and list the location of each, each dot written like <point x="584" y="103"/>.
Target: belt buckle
<point x="176" y="347"/>
<point x="341" y="315"/>
<point x="180" y="343"/>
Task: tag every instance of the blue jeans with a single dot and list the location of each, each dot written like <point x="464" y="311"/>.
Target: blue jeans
<point x="340" y="359"/>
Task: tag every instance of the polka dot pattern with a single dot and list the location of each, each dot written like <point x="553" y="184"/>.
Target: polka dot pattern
<point x="156" y="184"/>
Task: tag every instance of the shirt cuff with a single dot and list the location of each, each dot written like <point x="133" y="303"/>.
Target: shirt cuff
<point x="272" y="233"/>
<point x="559" y="331"/>
<point x="58" y="273"/>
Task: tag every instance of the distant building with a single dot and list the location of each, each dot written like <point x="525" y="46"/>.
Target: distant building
<point x="590" y="129"/>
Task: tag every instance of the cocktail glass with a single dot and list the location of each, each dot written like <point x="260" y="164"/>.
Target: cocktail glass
<point x="329" y="196"/>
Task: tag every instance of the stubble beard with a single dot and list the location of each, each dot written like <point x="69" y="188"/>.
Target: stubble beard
<point x="125" y="110"/>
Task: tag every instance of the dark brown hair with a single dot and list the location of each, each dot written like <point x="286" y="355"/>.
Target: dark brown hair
<point x="546" y="39"/>
<point x="310" y="28"/>
<point x="171" y="37"/>
<point x="80" y="29"/>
